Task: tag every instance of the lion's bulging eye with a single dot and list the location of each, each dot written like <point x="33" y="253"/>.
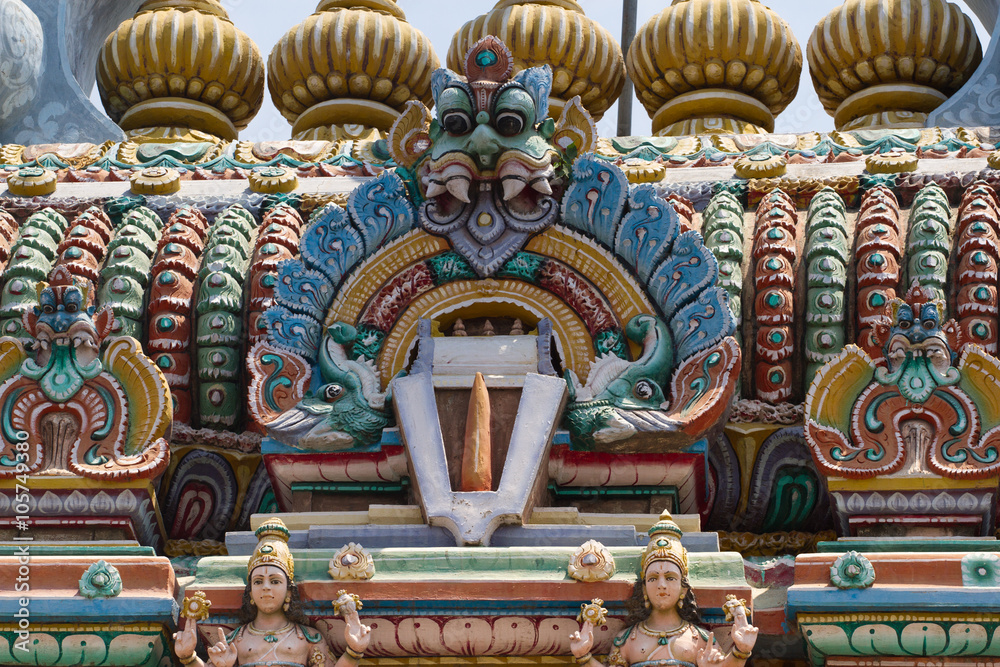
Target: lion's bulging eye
<point x="509" y="123"/>
<point x="457" y="122"/>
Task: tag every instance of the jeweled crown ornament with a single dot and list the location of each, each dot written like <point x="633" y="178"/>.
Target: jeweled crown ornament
<point x="488" y="177"/>
<point x="665" y="544"/>
<point x="272" y="548"/>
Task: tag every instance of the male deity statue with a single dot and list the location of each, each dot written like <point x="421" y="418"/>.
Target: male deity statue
<point x="662" y="629"/>
<point x="275" y="630"/>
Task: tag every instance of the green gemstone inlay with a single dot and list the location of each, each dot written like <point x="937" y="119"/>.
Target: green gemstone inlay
<point x="486" y="58"/>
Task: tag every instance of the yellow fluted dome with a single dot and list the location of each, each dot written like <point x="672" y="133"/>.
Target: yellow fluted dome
<point x="888" y="63"/>
<point x="353" y="62"/>
<point x="585" y="58"/>
<point x="711" y="66"/>
<point x="181" y="63"/>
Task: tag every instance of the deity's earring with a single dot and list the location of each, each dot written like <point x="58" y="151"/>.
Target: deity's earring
<point x="253" y="603"/>
<point x="645" y="597"/>
<point x="288" y="598"/>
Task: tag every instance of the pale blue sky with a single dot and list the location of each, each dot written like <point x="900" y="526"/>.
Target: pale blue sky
<point x="265" y="21"/>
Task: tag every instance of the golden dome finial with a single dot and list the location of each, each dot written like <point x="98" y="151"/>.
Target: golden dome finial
<point x="213" y="7"/>
<point x="156" y="84"/>
<point x="585" y="58"/>
<point x="889" y="63"/>
<point x="388" y="7"/>
<point x="715" y="66"/>
<point x="327" y="83"/>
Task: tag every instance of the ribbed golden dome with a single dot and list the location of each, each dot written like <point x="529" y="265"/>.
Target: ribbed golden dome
<point x="353" y="62"/>
<point x="888" y="63"/>
<point x="585" y="58"/>
<point x="704" y="66"/>
<point x="181" y="63"/>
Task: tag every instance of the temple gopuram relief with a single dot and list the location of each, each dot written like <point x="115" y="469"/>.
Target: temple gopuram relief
<point x="447" y="375"/>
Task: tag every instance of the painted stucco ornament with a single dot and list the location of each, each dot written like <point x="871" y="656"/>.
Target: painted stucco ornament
<point x="981" y="569"/>
<point x="591" y="562"/>
<point x="593" y="612"/>
<point x="863" y="418"/>
<point x="352" y="562"/>
<point x="32" y="182"/>
<point x="101" y="580"/>
<point x="68" y="407"/>
<point x="488" y="175"/>
<point x="852" y="570"/>
<point x="346" y="411"/>
<point x="616" y="384"/>
<point x="680" y="385"/>
<point x="196" y="607"/>
<point x="313" y="384"/>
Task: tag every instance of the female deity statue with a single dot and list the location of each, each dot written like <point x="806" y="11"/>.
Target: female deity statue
<point x="274" y="630"/>
<point x="662" y="627"/>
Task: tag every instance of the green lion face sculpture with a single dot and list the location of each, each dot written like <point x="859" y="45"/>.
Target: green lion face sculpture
<point x="488" y="178"/>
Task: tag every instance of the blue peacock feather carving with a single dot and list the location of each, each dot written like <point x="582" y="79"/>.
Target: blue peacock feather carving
<point x="680" y="275"/>
<point x="347" y="410"/>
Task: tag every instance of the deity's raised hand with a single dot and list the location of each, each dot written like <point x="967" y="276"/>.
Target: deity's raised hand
<point x="708" y="654"/>
<point x="581" y="641"/>
<point x="223" y="654"/>
<point x="744" y="635"/>
<point x="186" y="640"/>
<point x="357" y="634"/>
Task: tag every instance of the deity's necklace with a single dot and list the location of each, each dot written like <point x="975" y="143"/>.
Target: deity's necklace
<point x="663" y="638"/>
<point x="270" y="636"/>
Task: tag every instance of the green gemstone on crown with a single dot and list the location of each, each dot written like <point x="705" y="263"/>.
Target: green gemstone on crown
<point x="486" y="58"/>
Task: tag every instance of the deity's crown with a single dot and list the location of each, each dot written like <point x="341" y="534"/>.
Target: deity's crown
<point x="665" y="544"/>
<point x="916" y="297"/>
<point x="272" y="548"/>
<point x="61" y="281"/>
<point x="489" y="68"/>
<point x="488" y="62"/>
